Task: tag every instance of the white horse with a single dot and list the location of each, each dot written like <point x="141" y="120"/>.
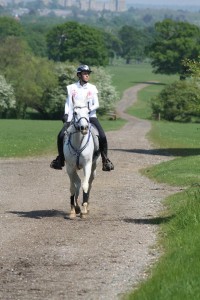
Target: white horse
<point x="81" y="152"/>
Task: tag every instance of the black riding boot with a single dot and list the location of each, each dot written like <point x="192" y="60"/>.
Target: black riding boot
<point x="107" y="165"/>
<point x="59" y="162"/>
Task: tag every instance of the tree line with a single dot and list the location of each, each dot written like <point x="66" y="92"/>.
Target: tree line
<point x="38" y="62"/>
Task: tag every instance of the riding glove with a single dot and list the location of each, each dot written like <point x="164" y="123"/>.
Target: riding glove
<point x="64" y="118"/>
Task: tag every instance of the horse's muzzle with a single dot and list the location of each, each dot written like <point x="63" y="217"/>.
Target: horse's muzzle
<point x="83" y="129"/>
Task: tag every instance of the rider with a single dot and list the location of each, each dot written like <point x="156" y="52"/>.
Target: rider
<point x="82" y="90"/>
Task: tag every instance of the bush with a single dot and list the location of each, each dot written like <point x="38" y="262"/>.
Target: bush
<point x="7" y="99"/>
<point x="179" y="101"/>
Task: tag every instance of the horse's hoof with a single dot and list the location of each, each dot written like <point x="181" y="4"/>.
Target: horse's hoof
<point x="84" y="211"/>
<point x="83" y="216"/>
<point x="72" y="216"/>
<point x="77" y="209"/>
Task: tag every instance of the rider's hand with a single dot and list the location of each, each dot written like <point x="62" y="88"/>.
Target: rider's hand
<point x="64" y="118"/>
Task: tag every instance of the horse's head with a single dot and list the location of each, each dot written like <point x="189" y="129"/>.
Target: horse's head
<point x="81" y="118"/>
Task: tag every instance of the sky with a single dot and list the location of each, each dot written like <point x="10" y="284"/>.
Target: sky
<point x="166" y="2"/>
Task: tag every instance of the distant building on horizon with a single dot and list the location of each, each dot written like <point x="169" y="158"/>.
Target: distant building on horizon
<point x="83" y="5"/>
<point x="111" y="5"/>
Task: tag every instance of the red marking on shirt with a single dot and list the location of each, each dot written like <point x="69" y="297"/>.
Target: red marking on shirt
<point x="89" y="94"/>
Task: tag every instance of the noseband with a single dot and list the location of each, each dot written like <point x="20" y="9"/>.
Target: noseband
<point x="76" y="122"/>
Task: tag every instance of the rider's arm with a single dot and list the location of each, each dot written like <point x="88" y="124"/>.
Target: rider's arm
<point x="69" y="104"/>
<point x="94" y="103"/>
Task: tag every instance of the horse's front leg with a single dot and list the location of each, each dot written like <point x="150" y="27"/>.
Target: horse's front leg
<point x="75" y="184"/>
<point x="86" y="188"/>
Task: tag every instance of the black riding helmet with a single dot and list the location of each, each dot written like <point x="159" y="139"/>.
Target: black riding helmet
<point x="83" y="68"/>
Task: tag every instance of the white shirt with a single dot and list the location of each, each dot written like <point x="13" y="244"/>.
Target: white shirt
<point x="86" y="93"/>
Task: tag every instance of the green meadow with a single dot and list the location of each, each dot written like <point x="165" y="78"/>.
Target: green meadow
<point x="21" y="138"/>
<point x="176" y="275"/>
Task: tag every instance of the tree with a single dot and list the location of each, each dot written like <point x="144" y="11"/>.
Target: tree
<point x="35" y="35"/>
<point x="193" y="67"/>
<point x="108" y="95"/>
<point x="75" y="42"/>
<point x="113" y="45"/>
<point x="66" y="73"/>
<point x="179" y="101"/>
<point x="7" y="98"/>
<point x="132" y="43"/>
<point x="10" y="27"/>
<point x="30" y="76"/>
<point x="56" y="96"/>
<point x="174" y="42"/>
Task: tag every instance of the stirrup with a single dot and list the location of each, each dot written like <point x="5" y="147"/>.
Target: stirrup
<point x="57" y="163"/>
<point x="107" y="165"/>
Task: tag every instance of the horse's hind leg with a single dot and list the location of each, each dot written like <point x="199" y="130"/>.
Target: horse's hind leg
<point x="75" y="184"/>
<point x="86" y="195"/>
<point x="92" y="176"/>
<point x="72" y="214"/>
<point x="85" y="186"/>
<point x="84" y="209"/>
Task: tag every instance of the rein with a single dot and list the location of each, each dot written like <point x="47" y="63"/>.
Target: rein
<point x="78" y="152"/>
<point x="78" y="129"/>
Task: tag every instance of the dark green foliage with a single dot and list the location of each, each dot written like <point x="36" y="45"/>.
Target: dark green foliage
<point x="74" y="42"/>
<point x="30" y="76"/>
<point x="174" y="42"/>
<point x="10" y="27"/>
<point x="113" y="45"/>
<point x="35" y="35"/>
<point x="179" y="101"/>
<point x="133" y="43"/>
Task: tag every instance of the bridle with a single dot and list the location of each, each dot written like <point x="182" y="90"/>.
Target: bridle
<point x="83" y="130"/>
<point x="76" y="121"/>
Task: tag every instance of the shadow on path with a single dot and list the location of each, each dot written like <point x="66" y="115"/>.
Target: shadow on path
<point x="39" y="214"/>
<point x="149" y="221"/>
<point x="163" y="152"/>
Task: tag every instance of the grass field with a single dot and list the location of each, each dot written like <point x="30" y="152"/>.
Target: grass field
<point x="176" y="275"/>
<point x="125" y="76"/>
<point x="22" y="138"/>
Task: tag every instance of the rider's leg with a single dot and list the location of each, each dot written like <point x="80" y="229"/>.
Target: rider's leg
<point x="59" y="162"/>
<point x="103" y="146"/>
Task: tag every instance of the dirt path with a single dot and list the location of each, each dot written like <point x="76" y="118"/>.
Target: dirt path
<point x="44" y="255"/>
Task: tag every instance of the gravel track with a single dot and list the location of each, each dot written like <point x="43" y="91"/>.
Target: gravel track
<point x="44" y="255"/>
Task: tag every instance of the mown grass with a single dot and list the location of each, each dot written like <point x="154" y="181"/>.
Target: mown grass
<point x="176" y="274"/>
<point x="142" y="108"/>
<point x="178" y="140"/>
<point x="125" y="76"/>
<point x="22" y="138"/>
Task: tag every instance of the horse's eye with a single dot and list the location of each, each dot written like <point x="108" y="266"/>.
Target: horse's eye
<point x="75" y="113"/>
